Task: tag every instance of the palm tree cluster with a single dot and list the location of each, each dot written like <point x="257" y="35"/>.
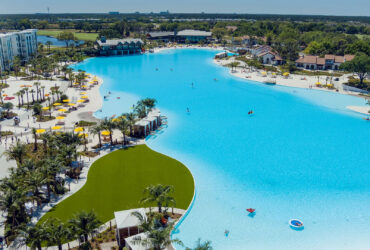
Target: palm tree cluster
<point x="124" y="123"/>
<point x="38" y="175"/>
<point x="54" y="232"/>
<point x="47" y="65"/>
<point x="157" y="234"/>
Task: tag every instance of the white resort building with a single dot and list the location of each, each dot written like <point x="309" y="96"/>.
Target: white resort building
<point x="13" y="44"/>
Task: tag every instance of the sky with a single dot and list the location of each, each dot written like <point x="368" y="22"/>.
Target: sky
<point x="316" y="7"/>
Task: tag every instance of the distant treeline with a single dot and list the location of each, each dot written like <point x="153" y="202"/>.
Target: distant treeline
<point x="174" y="16"/>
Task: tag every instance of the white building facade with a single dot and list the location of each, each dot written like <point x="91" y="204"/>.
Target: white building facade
<point x="13" y="44"/>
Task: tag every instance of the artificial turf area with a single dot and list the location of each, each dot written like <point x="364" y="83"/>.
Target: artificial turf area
<point x="116" y="182"/>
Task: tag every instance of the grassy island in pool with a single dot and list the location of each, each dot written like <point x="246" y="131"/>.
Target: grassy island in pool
<point x="116" y="182"/>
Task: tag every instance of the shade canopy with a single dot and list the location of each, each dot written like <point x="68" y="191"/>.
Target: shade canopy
<point x="79" y="129"/>
<point x="60" y="117"/>
<point x="45" y="108"/>
<point x="105" y="132"/>
<point x="57" y="104"/>
<point x="40" y="131"/>
<point x="62" y="110"/>
<point x="66" y="100"/>
<point x="84" y="97"/>
<point x="285" y="73"/>
<point x="80" y="101"/>
<point x="56" y="127"/>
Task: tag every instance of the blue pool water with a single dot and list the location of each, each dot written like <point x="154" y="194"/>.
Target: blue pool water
<point x="301" y="155"/>
<point x="54" y="41"/>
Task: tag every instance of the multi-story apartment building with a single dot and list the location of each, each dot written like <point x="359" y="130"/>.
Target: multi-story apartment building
<point x="20" y="43"/>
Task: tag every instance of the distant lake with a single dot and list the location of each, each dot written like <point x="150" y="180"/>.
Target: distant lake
<point x="55" y="41"/>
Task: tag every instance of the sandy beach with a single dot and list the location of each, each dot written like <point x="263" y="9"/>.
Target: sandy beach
<point x="296" y="81"/>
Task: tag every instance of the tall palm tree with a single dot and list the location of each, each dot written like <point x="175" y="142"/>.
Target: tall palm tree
<point x="12" y="201"/>
<point x="157" y="237"/>
<point x="96" y="130"/>
<point x="48" y="44"/>
<point x="86" y="223"/>
<point x="123" y="125"/>
<point x="108" y="125"/>
<point x="18" y="94"/>
<point x="131" y="118"/>
<point x="28" y="101"/>
<point x="158" y="194"/>
<point x="37" y="85"/>
<point x="34" y="236"/>
<point x="56" y="232"/>
<point x="32" y="91"/>
<point x="16" y="152"/>
<point x="33" y="183"/>
<point x="35" y="138"/>
<point x="201" y="245"/>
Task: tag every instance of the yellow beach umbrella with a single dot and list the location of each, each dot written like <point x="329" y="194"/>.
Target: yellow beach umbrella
<point x="56" y="127"/>
<point x="66" y="100"/>
<point x="80" y="101"/>
<point x="264" y="73"/>
<point x="76" y="83"/>
<point x="285" y="73"/>
<point x="84" y="135"/>
<point x="60" y="117"/>
<point x="273" y="73"/>
<point x="45" y="108"/>
<point x="57" y="104"/>
<point x="79" y="129"/>
<point x="84" y="86"/>
<point x="84" y="97"/>
<point x="83" y="93"/>
<point x="318" y="83"/>
<point x="40" y="131"/>
<point x="105" y="132"/>
<point x="71" y="104"/>
<point x="62" y="110"/>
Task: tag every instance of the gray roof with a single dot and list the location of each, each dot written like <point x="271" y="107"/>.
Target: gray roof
<point x="114" y="42"/>
<point x="161" y="33"/>
<point x="194" y="33"/>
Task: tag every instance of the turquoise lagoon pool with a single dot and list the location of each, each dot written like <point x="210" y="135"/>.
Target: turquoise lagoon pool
<point x="301" y="155"/>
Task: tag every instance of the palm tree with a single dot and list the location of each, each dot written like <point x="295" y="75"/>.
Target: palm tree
<point x="12" y="201"/>
<point x="18" y="94"/>
<point x="35" y="138"/>
<point x="37" y="85"/>
<point x="201" y="245"/>
<point x="96" y="130"/>
<point x="16" y="152"/>
<point x="149" y="103"/>
<point x="86" y="223"/>
<point x="8" y="106"/>
<point x="32" y="91"/>
<point x="108" y="125"/>
<point x="131" y="118"/>
<point x="33" y="182"/>
<point x="123" y="125"/>
<point x="56" y="232"/>
<point x="28" y="101"/>
<point x="158" y="194"/>
<point x="48" y="44"/>
<point x="34" y="236"/>
<point x="157" y="237"/>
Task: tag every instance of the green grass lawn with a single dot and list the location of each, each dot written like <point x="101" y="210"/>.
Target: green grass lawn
<point x="79" y="35"/>
<point x="116" y="182"/>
